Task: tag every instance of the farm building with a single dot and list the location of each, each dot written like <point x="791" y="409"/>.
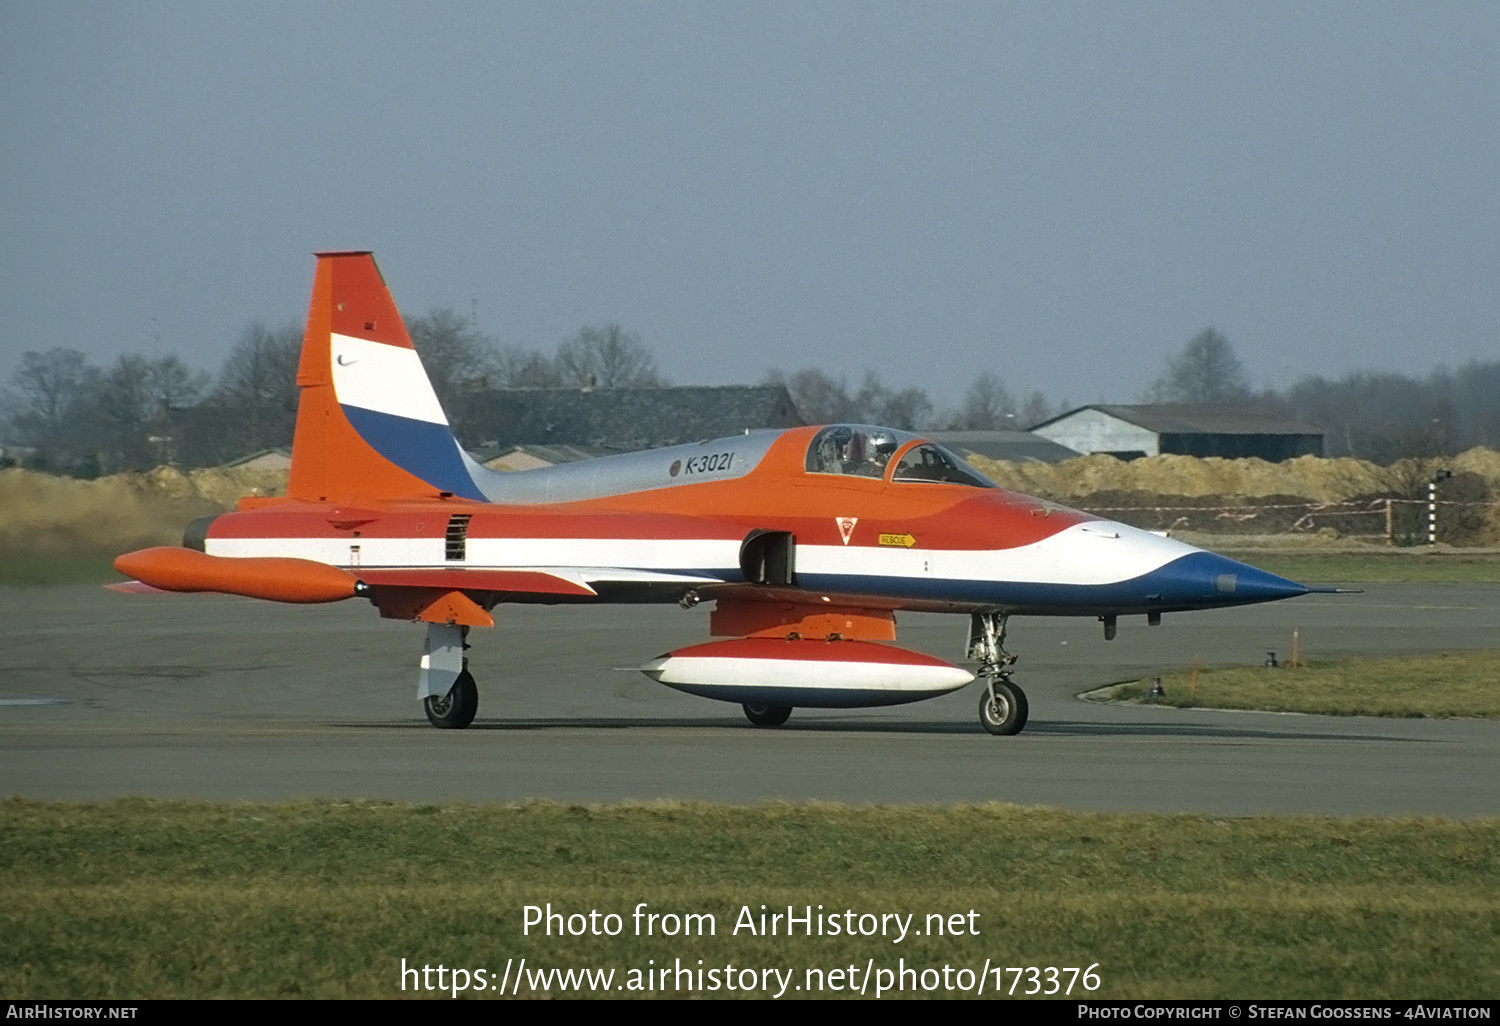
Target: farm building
<point x="1232" y="432"/>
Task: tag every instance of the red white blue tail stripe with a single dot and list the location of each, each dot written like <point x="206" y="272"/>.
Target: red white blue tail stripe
<point x="387" y="397"/>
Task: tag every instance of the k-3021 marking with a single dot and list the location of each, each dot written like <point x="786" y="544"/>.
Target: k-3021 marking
<point x="711" y="464"/>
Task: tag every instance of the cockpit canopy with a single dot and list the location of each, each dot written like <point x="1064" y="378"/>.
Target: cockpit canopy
<point x="861" y="450"/>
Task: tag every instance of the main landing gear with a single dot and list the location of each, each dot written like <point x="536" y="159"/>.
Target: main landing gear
<point x="1002" y="706"/>
<point x="444" y="684"/>
<point x="456" y="709"/>
<point x="767" y="715"/>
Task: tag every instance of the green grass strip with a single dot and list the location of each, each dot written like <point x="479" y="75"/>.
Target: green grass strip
<point x="155" y="899"/>
<point x="1446" y="685"/>
<point x="21" y="569"/>
<point x="1391" y="566"/>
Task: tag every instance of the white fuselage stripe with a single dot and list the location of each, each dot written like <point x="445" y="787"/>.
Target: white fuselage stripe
<point x="641" y="553"/>
<point x="1086" y="554"/>
<point x="1091" y="554"/>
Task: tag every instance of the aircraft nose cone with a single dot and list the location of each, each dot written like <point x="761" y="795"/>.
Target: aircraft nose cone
<point x="1205" y="578"/>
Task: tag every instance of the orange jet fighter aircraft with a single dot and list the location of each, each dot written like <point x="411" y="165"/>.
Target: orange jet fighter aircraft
<point x="808" y="540"/>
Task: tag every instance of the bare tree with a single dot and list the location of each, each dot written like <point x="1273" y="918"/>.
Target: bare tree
<point x="124" y="396"/>
<point x="1379" y="416"/>
<point x="871" y="399"/>
<point x="908" y="409"/>
<point x="817" y="396"/>
<point x="49" y="386"/>
<point x="121" y="411"/>
<point x="1205" y="371"/>
<point x="607" y="357"/>
<point x="173" y="385"/>
<point x="987" y="406"/>
<point x="822" y="400"/>
<point x="255" y="400"/>
<point x="86" y="420"/>
<point x="261" y="370"/>
<point x="526" y="368"/>
<point x="1476" y="405"/>
<point x="1035" y="411"/>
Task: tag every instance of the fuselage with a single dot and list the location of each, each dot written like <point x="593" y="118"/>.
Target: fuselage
<point x="891" y="521"/>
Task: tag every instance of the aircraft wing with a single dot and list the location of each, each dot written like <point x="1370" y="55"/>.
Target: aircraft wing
<point x="287" y="579"/>
<point x="529" y="581"/>
<point x="578" y="582"/>
<point x="625" y="575"/>
<point x="572" y="580"/>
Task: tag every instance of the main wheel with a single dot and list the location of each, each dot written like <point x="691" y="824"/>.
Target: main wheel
<point x="767" y="715"/>
<point x="456" y="709"/>
<point x="1006" y="712"/>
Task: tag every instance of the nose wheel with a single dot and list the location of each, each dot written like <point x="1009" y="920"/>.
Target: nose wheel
<point x="1002" y="707"/>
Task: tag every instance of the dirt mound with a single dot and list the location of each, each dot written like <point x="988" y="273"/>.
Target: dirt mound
<point x="1481" y="461"/>
<point x="1307" y="477"/>
<point x="41" y="514"/>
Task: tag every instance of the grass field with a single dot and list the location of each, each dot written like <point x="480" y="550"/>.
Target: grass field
<point x="24" y="569"/>
<point x="1444" y="566"/>
<point x="152" y="899"/>
<point x="1443" y="685"/>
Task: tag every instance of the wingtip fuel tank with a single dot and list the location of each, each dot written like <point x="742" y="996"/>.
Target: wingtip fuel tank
<point x="278" y="578"/>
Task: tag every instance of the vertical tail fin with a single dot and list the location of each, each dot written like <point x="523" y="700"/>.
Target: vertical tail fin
<point x="369" y="425"/>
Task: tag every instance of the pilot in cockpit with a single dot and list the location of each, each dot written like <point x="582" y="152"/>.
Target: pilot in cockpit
<point x="883" y="446"/>
<point x="866" y="455"/>
<point x="854" y="451"/>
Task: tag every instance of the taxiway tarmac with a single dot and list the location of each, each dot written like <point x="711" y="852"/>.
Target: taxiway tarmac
<point x="105" y="695"/>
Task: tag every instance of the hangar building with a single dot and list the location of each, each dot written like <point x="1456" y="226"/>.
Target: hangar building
<point x="1232" y="432"/>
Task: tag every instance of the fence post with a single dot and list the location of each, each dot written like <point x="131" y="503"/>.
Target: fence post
<point x="1390" y="524"/>
<point x="1441" y="475"/>
<point x="1432" y="513"/>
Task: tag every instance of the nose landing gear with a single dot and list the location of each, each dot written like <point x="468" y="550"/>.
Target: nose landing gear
<point x="1002" y="706"/>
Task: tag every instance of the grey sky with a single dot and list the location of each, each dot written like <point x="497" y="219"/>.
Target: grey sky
<point x="1062" y="194"/>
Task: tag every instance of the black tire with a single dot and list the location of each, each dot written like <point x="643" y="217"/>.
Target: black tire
<point x="456" y="709"/>
<point x="1006" y="714"/>
<point x="767" y="715"/>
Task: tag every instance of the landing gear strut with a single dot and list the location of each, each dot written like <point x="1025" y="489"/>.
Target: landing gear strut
<point x="1002" y="707"/>
<point x="446" y="687"/>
